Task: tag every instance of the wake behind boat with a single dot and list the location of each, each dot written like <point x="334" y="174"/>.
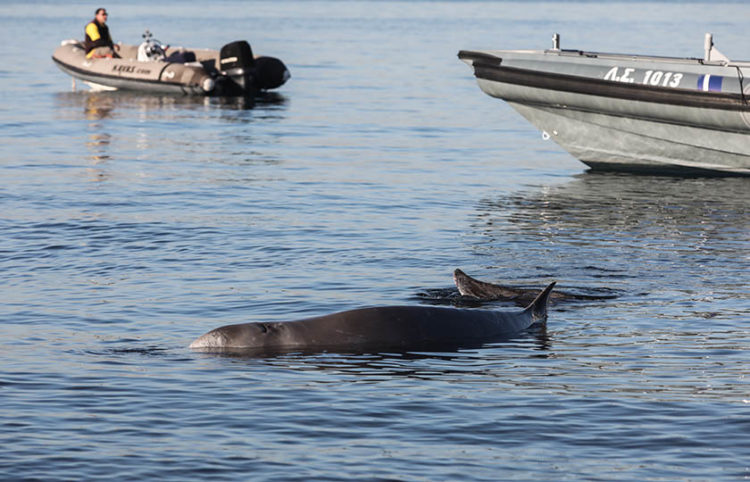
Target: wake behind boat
<point x="629" y="112"/>
<point x="152" y="67"/>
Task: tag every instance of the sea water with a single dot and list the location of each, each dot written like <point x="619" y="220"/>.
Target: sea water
<point x="132" y="224"/>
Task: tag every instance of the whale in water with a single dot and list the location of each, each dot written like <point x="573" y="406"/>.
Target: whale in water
<point x="474" y="288"/>
<point x="378" y="328"/>
<point x="481" y="290"/>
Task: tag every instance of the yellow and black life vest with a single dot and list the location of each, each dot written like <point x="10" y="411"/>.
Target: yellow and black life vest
<point x="96" y="36"/>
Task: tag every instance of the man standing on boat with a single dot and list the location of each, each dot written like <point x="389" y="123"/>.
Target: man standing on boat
<point x="98" y="41"/>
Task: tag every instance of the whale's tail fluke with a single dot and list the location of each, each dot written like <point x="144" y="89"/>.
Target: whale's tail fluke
<point x="538" y="307"/>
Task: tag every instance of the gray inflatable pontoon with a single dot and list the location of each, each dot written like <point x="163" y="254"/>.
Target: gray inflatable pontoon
<point x="629" y="112"/>
<point x="151" y="67"/>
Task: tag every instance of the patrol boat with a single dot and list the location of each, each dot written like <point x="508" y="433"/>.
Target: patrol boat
<point x="629" y="112"/>
<point x="156" y="68"/>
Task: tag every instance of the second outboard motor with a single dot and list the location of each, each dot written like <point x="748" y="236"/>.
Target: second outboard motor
<point x="270" y="73"/>
<point x="236" y="62"/>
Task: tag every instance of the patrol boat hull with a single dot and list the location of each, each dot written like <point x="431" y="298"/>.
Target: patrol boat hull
<point x="182" y="71"/>
<point x="629" y="112"/>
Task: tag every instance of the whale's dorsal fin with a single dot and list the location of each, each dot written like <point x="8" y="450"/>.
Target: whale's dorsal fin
<point x="482" y="290"/>
<point x="538" y="307"/>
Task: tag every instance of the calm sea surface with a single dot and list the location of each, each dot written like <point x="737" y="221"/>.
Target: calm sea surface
<point x="131" y="224"/>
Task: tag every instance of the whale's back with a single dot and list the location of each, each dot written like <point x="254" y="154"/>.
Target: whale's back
<point x="398" y="327"/>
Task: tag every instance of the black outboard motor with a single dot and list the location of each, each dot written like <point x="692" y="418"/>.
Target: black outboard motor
<point x="237" y="63"/>
<point x="270" y="73"/>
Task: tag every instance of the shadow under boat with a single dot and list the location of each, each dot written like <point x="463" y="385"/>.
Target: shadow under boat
<point x="107" y="103"/>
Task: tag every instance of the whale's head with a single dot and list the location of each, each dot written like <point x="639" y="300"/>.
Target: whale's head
<point x="243" y="336"/>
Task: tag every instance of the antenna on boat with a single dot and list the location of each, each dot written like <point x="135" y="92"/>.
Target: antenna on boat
<point x="556" y="41"/>
<point x="708" y="44"/>
<point x="711" y="53"/>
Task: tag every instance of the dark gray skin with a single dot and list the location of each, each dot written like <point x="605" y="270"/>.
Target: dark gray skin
<point x="481" y="290"/>
<point x="388" y="327"/>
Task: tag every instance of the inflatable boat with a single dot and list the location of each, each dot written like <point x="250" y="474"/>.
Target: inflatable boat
<point x="153" y="67"/>
<point x="629" y="112"/>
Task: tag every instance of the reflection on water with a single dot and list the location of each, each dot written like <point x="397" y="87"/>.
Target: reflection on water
<point x="597" y="224"/>
<point x="428" y="364"/>
<point x="100" y="105"/>
<point x="615" y="203"/>
<point x="98" y="143"/>
<point x="98" y="146"/>
<point x="124" y="125"/>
